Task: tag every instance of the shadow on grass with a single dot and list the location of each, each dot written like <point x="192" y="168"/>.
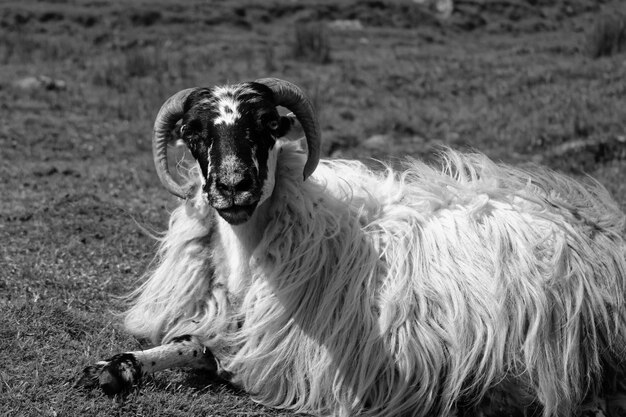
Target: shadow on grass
<point x="203" y="381"/>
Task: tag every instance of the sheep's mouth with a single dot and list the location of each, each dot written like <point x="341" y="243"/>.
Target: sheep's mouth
<point x="237" y="214"/>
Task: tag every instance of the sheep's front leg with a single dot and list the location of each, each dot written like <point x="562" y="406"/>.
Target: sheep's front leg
<point x="122" y="372"/>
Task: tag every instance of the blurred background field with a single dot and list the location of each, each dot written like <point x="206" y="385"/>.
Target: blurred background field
<point x="524" y="81"/>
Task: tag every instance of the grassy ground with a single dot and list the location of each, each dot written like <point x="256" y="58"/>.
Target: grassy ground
<point x="77" y="184"/>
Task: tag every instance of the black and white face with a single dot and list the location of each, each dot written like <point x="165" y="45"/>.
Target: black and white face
<point x="231" y="132"/>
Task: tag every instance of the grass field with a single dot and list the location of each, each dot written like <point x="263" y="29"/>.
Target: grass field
<point x="522" y="83"/>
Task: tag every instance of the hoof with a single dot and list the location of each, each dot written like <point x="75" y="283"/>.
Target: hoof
<point x="116" y="375"/>
<point x="89" y="379"/>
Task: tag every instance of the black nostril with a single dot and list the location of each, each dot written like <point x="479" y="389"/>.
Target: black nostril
<point x="244" y="185"/>
<point x="241" y="184"/>
<point x="222" y="187"/>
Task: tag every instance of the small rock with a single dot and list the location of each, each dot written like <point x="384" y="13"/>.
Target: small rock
<point x="45" y="171"/>
<point x="443" y="8"/>
<point x="337" y="154"/>
<point x="347" y="115"/>
<point x="69" y="172"/>
<point x="41" y="82"/>
<point x="25" y="217"/>
<point x="346" y="25"/>
<point x="379" y="141"/>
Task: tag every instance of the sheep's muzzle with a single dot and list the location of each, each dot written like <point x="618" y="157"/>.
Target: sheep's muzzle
<point x="237" y="215"/>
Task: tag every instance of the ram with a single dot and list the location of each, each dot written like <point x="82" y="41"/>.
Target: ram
<point x="327" y="288"/>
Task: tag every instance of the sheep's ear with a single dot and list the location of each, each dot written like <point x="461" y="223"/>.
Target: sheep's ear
<point x="285" y="125"/>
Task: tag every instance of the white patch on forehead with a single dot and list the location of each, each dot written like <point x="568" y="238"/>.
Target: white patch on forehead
<point x="222" y="90"/>
<point x="227" y="110"/>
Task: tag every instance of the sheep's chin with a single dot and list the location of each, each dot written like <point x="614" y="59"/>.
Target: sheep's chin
<point x="236" y="215"/>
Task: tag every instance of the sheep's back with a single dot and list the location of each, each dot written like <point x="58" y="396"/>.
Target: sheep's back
<point x="491" y="271"/>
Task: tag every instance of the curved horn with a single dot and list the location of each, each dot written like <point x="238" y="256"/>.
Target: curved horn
<point x="171" y="111"/>
<point x="291" y="97"/>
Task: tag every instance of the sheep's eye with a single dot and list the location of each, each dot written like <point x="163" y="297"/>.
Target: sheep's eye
<point x="273" y="125"/>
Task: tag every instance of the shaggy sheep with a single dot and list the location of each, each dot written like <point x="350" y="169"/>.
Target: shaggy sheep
<point x="343" y="291"/>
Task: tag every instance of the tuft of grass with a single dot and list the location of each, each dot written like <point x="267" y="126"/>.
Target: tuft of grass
<point x="119" y="71"/>
<point x="145" y="17"/>
<point x="37" y="48"/>
<point x="607" y="36"/>
<point x="269" y="59"/>
<point x="312" y="43"/>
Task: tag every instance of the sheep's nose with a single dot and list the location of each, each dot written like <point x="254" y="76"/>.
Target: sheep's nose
<point x="233" y="184"/>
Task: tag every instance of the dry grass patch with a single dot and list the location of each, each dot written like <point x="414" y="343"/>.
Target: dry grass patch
<point x="607" y="36"/>
<point x="312" y="43"/>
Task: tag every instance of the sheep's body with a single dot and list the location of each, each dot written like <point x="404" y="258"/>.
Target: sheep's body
<point x="400" y="293"/>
